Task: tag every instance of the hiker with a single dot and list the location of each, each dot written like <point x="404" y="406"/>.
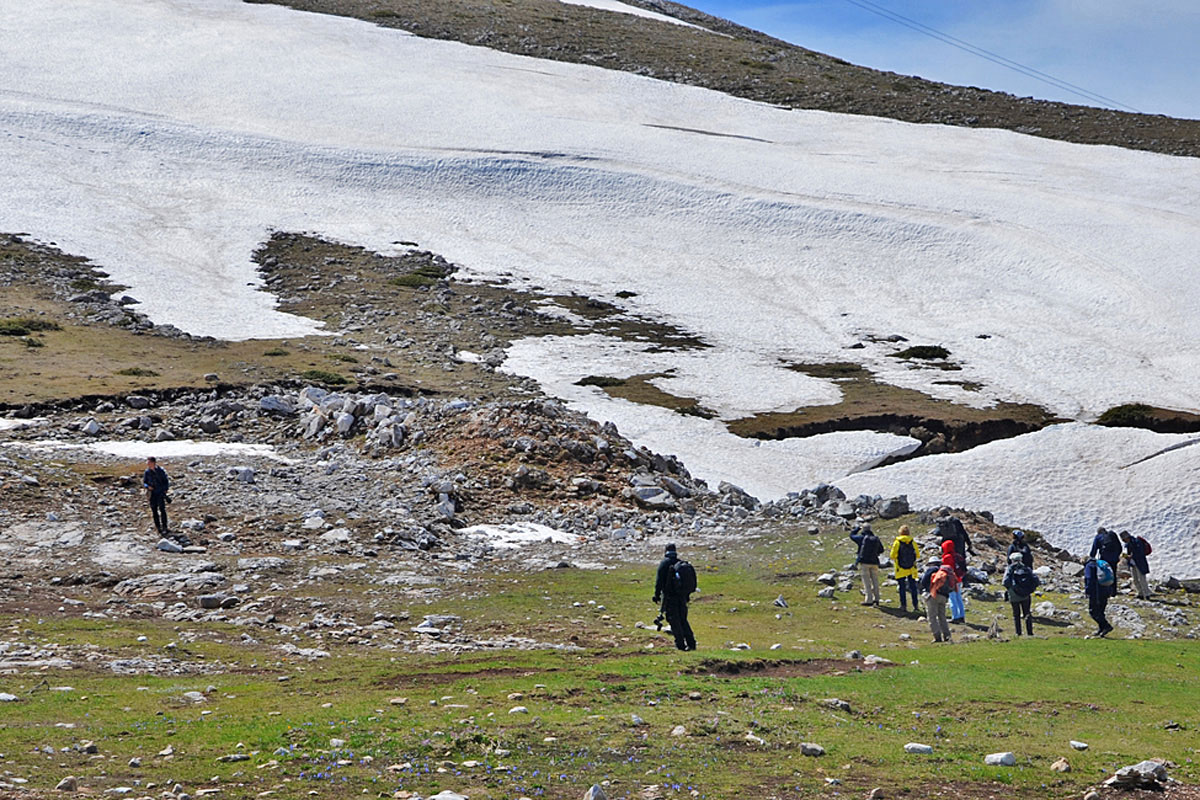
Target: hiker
<point x="950" y="525"/>
<point x="958" y="609"/>
<point x="904" y="555"/>
<point x="869" y="549"/>
<point x="938" y="582"/>
<point x="156" y="483"/>
<point x="1136" y="550"/>
<point x="1108" y="546"/>
<point x="1096" y="579"/>
<point x="1019" y="545"/>
<point x="1020" y="582"/>
<point x="673" y="585"/>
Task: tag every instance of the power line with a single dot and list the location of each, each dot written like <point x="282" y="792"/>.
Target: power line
<point x="988" y="55"/>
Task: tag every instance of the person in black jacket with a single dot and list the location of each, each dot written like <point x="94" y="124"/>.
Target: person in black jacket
<point x="674" y="605"/>
<point x="869" y="549"/>
<point x="1019" y="545"/>
<point x="1135" y="554"/>
<point x="1097" y="596"/>
<point x="1020" y="596"/>
<point x="156" y="483"/>
<point x="1108" y="545"/>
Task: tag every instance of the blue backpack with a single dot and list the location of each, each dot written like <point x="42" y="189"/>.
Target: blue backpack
<point x="1104" y="573"/>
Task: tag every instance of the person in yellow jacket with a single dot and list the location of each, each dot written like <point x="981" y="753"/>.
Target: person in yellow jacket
<point x="904" y="557"/>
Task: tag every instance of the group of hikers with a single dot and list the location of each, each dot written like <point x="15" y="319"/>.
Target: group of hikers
<point x="940" y="583"/>
<point x="944" y="575"/>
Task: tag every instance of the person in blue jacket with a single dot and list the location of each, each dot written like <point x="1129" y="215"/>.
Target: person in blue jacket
<point x="1135" y="554"/>
<point x="1097" y="596"/>
<point x="1108" y="546"/>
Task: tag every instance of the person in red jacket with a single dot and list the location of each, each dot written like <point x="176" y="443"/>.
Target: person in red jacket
<point x="958" y="610"/>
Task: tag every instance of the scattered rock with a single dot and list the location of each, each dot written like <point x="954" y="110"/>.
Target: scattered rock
<point x="1143" y="775"/>
<point x="68" y="784"/>
<point x="1062" y="765"/>
<point x="595" y="793"/>
<point x="1000" y="759"/>
<point x="811" y="749"/>
<point x="918" y="749"/>
<point x="1079" y="745"/>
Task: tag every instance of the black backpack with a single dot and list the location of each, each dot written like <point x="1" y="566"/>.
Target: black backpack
<point x="683" y="579"/>
<point x="906" y="555"/>
<point x="1023" y="580"/>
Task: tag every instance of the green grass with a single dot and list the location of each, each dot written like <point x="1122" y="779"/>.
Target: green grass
<point x="324" y="376"/>
<point x="426" y="275"/>
<point x="275" y="352"/>
<point x="138" y="372"/>
<point x="23" y="326"/>
<point x="966" y="700"/>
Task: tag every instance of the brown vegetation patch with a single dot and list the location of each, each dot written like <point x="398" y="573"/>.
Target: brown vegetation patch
<point x="763" y="668"/>
<point x="870" y="404"/>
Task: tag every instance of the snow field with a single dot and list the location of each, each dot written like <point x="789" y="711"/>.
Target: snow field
<point x="173" y="136"/>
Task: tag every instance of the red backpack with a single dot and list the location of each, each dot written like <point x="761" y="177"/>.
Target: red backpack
<point x="1147" y="549"/>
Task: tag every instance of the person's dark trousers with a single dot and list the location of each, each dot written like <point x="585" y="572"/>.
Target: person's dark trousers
<point x="677" y="611"/>
<point x="158" y="507"/>
<point x="908" y="584"/>
<point x="1096" y="606"/>
<point x="1021" y="609"/>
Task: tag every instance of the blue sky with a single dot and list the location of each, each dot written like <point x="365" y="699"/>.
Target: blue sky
<point x="1143" y="54"/>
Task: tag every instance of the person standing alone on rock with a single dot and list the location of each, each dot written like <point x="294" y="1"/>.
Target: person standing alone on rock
<point x="1136" y="550"/>
<point x="156" y="483"/>
<point x="904" y="555"/>
<point x="673" y="585"/>
<point x="869" y="549"/>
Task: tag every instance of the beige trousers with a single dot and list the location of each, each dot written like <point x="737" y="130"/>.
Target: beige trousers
<point x="870" y="579"/>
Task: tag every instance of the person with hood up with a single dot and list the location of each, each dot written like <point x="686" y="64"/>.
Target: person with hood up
<point x="1135" y="554"/>
<point x="1108" y="546"/>
<point x="1020" y="584"/>
<point x="869" y="550"/>
<point x="904" y="555"/>
<point x="674" y="601"/>
<point x="958" y="609"/>
<point x="938" y="583"/>
<point x="1097" y="595"/>
<point x="1019" y="545"/>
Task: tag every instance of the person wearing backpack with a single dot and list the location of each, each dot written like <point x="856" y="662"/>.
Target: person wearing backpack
<point x="942" y="583"/>
<point x="904" y="555"/>
<point x="673" y="586"/>
<point x="1108" y="547"/>
<point x="1019" y="545"/>
<point x="1097" y="580"/>
<point x="1136" y="550"/>
<point x="869" y="550"/>
<point x="1020" y="583"/>
<point x="958" y="609"/>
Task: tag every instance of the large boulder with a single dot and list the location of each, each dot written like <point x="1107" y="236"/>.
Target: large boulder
<point x="892" y="507"/>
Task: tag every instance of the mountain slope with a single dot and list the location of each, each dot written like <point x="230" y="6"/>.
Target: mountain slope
<point x="745" y="63"/>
